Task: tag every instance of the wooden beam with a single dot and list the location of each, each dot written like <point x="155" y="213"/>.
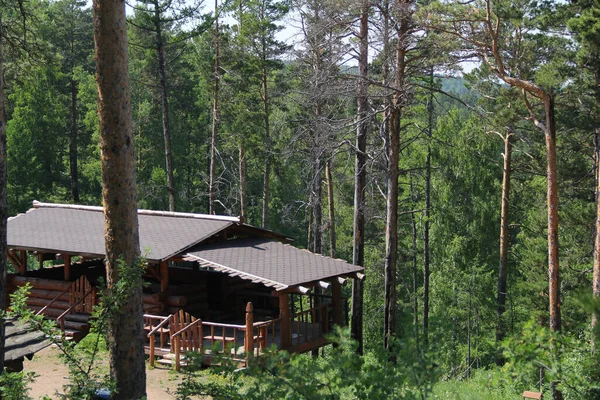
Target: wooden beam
<point x="14" y="259"/>
<point x="164" y="277"/>
<point x="336" y="297"/>
<point x="324" y="285"/>
<point x="284" y="315"/>
<point x="23" y="262"/>
<point x="67" y="260"/>
<point x="249" y="337"/>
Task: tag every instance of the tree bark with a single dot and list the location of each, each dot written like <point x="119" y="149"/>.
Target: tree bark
<point x="504" y="244"/>
<point x="393" y="153"/>
<point x="164" y="103"/>
<point x="73" y="144"/>
<point x="426" y="252"/>
<point x="414" y="266"/>
<point x="125" y="327"/>
<point x="552" y="176"/>
<point x="3" y="209"/>
<point x="316" y="195"/>
<point x="243" y="185"/>
<point x="331" y="209"/>
<point x="266" y="115"/>
<point x="215" y="114"/>
<point x="360" y="176"/>
<point x="596" y="268"/>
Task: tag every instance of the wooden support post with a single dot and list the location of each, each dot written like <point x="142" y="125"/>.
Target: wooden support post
<point x="41" y="260"/>
<point x="284" y="315"/>
<point x="249" y="339"/>
<point x="177" y="353"/>
<point x="67" y="269"/>
<point x="164" y="277"/>
<point x="336" y="297"/>
<point x="23" y="262"/>
<point x="151" y="350"/>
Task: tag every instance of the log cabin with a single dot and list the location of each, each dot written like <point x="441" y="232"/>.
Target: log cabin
<point x="215" y="285"/>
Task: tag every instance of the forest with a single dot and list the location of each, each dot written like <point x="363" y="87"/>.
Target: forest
<point x="451" y="148"/>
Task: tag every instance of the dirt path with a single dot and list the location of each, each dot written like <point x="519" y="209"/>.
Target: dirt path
<point x="161" y="381"/>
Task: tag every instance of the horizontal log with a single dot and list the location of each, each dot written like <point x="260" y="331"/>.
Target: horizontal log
<point x="186" y="290"/>
<point x="33" y="301"/>
<point x="196" y="307"/>
<point x="49" y="312"/>
<point x="177" y="301"/>
<point x="153" y="308"/>
<point x="197" y="298"/>
<point x="153" y="298"/>
<point x="48" y="294"/>
<point x="40" y="283"/>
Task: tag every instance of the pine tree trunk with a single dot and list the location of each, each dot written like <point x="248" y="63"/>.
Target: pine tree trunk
<point x="266" y="111"/>
<point x="426" y="252"/>
<point x="360" y="176"/>
<point x="331" y="209"/>
<point x="243" y="185"/>
<point x="164" y="103"/>
<point x="552" y="176"/>
<point x="125" y="327"/>
<point x="3" y="209"/>
<point x="73" y="144"/>
<point x="504" y="244"/>
<point x="553" y="264"/>
<point x="596" y="268"/>
<point x="414" y="268"/>
<point x="393" y="153"/>
<point x="215" y="115"/>
<point x="316" y="194"/>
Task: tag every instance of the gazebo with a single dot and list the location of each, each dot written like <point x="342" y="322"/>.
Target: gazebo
<point x="215" y="283"/>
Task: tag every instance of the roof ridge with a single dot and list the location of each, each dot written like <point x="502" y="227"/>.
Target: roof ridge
<point x="38" y="204"/>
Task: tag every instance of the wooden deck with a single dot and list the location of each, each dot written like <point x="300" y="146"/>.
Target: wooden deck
<point x="171" y="337"/>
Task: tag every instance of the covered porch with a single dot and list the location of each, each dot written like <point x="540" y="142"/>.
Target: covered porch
<point x="215" y="285"/>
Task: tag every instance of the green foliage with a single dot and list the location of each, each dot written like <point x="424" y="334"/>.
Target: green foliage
<point x="84" y="378"/>
<point x="13" y="385"/>
<point x="538" y="357"/>
<point x="340" y="374"/>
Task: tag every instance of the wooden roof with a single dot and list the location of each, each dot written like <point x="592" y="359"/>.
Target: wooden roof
<point x="270" y="262"/>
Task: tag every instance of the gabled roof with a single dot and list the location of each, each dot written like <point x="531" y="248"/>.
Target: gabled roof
<point x="79" y="230"/>
<point x="269" y="262"/>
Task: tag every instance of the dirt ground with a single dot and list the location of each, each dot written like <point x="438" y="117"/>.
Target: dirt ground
<point x="161" y="382"/>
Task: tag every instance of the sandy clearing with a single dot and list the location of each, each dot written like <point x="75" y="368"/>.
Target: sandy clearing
<point x="161" y="382"/>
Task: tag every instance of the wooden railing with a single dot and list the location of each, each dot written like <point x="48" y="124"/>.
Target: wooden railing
<point x="161" y="327"/>
<point x="61" y="318"/>
<point x="189" y="338"/>
<point x="52" y="301"/>
<point x="235" y="340"/>
<point x="310" y="324"/>
<point x="265" y="333"/>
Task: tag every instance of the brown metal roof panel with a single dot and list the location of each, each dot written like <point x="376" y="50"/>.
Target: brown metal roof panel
<point x="273" y="261"/>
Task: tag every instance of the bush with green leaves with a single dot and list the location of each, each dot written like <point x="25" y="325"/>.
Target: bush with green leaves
<point x="340" y="374"/>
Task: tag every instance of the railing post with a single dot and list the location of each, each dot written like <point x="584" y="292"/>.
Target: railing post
<point x="249" y="342"/>
<point x="177" y="353"/>
<point x="152" y="350"/>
